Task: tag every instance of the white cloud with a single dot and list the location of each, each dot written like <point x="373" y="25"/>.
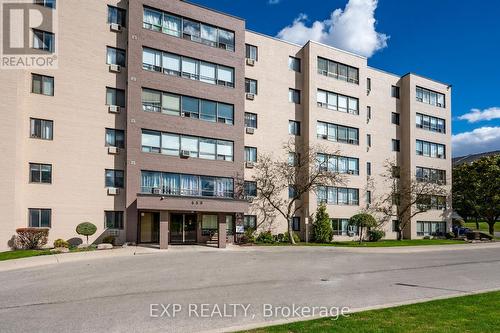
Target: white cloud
<point x="476" y="115"/>
<point x="479" y="140"/>
<point x="274" y="2"/>
<point x="351" y="29"/>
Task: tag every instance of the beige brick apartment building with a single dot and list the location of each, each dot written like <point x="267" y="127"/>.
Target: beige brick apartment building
<point x="158" y="108"/>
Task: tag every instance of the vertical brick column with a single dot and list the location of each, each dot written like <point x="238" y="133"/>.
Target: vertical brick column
<point x="222" y="232"/>
<point x="163" y="230"/>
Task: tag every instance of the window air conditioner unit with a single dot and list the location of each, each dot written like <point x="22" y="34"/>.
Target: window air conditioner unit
<point x="324" y="136"/>
<point x="115" y="68"/>
<point x="185" y="153"/>
<point x="113" y="191"/>
<point x="351" y="172"/>
<point x="249" y="165"/>
<point x="114" y="109"/>
<point x="250" y="199"/>
<point x="250" y="96"/>
<point x="222" y="46"/>
<point x="156" y="190"/>
<point x="250" y="130"/>
<point x="113" y="150"/>
<point x="115" y="27"/>
<point x="250" y="62"/>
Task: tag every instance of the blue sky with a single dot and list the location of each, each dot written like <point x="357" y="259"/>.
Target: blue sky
<point x="457" y="42"/>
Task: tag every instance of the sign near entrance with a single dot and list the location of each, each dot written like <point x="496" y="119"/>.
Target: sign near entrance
<point x="240" y="229"/>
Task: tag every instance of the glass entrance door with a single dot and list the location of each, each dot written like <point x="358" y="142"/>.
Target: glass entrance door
<point x="150" y="227"/>
<point x="183" y="228"/>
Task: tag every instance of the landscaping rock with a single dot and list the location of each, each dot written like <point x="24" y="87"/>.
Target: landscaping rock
<point x="83" y="246"/>
<point x="105" y="246"/>
<point x="59" y="250"/>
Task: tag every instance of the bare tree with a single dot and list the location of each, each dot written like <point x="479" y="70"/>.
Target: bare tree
<point x="406" y="198"/>
<point x="283" y="182"/>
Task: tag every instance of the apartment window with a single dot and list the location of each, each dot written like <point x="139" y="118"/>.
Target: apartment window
<point x="431" y="149"/>
<point x="251" y="86"/>
<point x="395" y="225"/>
<point x="186" y="185"/>
<point x="172" y="144"/>
<point x="369" y="140"/>
<point x="250" y="222"/>
<point x="43" y="85"/>
<point x="431" y="202"/>
<point x="40" y="173"/>
<point x="337" y="102"/>
<point x="293" y="159"/>
<point x="337" y="133"/>
<point x="292" y="192"/>
<point x="368" y="84"/>
<point x="338" y="195"/>
<point x="113" y="220"/>
<point x="429" y="123"/>
<point x="368" y="198"/>
<point x="395" y="171"/>
<point x="185" y="106"/>
<point x="293" y="127"/>
<point x="368" y="112"/>
<point x="250" y="154"/>
<point x="338" y="71"/>
<point x="177" y="26"/>
<point x="117" y="16"/>
<point x="115" y="138"/>
<point x="250" y="189"/>
<point x="188" y="68"/>
<point x="46" y="3"/>
<point x="430" y="97"/>
<point x="339" y="164"/>
<point x="395" y="118"/>
<point x="39" y="218"/>
<point x="296" y="223"/>
<point x="341" y="227"/>
<point x="396" y="145"/>
<point x="115" y="97"/>
<point x="250" y="120"/>
<point x="43" y="40"/>
<point x="251" y="52"/>
<point x="396" y="199"/>
<point x="41" y="129"/>
<point x="294" y="64"/>
<point x="431" y="175"/>
<point x="114" y="178"/>
<point x="425" y="228"/>
<point x="395" y="91"/>
<point x="368" y="168"/>
<point x="209" y="224"/>
<point x="294" y="96"/>
<point x="115" y="56"/>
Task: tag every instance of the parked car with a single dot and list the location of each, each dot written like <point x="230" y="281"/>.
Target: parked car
<point x="460" y="231"/>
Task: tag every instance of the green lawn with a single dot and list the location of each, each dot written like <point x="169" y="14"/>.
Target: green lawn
<point x="382" y="243"/>
<point x="17" y="254"/>
<point x="22" y="254"/>
<point x="483" y="226"/>
<point x="476" y="313"/>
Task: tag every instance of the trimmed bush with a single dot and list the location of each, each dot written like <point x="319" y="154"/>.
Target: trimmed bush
<point x="375" y="235"/>
<point x="86" y="229"/>
<point x="109" y="239"/>
<point x="248" y="236"/>
<point x="362" y="221"/>
<point x="265" y="237"/>
<point x="286" y="237"/>
<point x="322" y="227"/>
<point x="61" y="243"/>
<point x="32" y="238"/>
<point x="450" y="235"/>
<point x="427" y="237"/>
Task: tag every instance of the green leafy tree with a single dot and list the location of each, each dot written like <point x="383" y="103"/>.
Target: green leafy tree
<point x="86" y="229"/>
<point x="322" y="227"/>
<point x="476" y="190"/>
<point x="363" y="221"/>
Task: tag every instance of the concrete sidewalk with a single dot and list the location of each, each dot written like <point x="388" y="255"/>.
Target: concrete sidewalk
<point x="54" y="259"/>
